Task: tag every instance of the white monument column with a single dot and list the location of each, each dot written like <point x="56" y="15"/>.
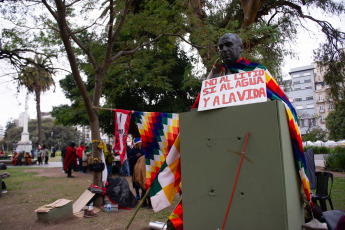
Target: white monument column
<point x="25" y="144"/>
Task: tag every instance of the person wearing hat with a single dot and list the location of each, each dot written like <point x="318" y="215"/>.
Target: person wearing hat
<point x="133" y="156"/>
<point x="70" y="159"/>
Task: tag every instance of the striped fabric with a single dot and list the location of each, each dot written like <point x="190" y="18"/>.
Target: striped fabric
<point x="158" y="132"/>
<point x="274" y="92"/>
<point x="166" y="184"/>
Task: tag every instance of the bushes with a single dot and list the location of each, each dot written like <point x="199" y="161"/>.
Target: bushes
<point x="339" y="149"/>
<point x="325" y="150"/>
<point x="335" y="161"/>
<point x="318" y="149"/>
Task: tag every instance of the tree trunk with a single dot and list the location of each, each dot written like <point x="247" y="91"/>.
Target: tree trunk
<point x="250" y="9"/>
<point x="91" y="112"/>
<point x="39" y="115"/>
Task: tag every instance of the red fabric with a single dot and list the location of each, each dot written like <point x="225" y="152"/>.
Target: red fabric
<point x="176" y="217"/>
<point x="80" y="151"/>
<point x="119" y="206"/>
<point x="69" y="157"/>
<point x="104" y="189"/>
<point x="121" y="133"/>
<point x="341" y="223"/>
<point x="196" y="103"/>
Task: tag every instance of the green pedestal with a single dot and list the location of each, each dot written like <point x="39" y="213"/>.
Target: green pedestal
<point x="268" y="192"/>
<point x="56" y="214"/>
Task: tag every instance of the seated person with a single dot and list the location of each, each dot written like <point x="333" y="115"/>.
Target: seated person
<point x="27" y="158"/>
<point x="3" y="185"/>
<point x="16" y="158"/>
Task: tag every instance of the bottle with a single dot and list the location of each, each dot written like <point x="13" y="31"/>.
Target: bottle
<point x="108" y="207"/>
<point x="90" y="207"/>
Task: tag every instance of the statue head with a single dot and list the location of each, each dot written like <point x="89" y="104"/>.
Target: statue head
<point x="230" y="48"/>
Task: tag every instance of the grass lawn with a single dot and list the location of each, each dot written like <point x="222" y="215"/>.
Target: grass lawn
<point x="27" y="192"/>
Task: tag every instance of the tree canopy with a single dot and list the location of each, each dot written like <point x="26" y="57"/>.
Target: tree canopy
<point x="37" y="79"/>
<point x="335" y="122"/>
<point x="52" y="135"/>
<point x="315" y="135"/>
<point x="136" y="88"/>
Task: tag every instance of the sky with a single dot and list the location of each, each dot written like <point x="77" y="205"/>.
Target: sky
<point x="12" y="102"/>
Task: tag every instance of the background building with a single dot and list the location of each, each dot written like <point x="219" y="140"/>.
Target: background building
<point x="324" y="103"/>
<point x="85" y="136"/>
<point x="300" y="91"/>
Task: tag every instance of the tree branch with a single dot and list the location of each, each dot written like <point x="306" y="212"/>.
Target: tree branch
<point x="52" y="12"/>
<point x="123" y="18"/>
<point x="186" y="41"/>
<point x="72" y="3"/>
<point x="132" y="51"/>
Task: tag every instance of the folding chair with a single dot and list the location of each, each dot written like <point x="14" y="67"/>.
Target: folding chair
<point x="323" y="193"/>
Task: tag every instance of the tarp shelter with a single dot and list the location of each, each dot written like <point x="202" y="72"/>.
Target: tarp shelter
<point x="118" y="191"/>
<point x="309" y="157"/>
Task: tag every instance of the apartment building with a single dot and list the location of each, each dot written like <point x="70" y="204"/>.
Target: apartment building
<point x="324" y="103"/>
<point x="85" y="133"/>
<point x="300" y="90"/>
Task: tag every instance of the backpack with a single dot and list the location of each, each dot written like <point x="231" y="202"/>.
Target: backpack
<point x="3" y="166"/>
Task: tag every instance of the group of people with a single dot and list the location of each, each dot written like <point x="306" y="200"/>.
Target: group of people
<point x="77" y="159"/>
<point x="71" y="155"/>
<point x="42" y="155"/>
<point x="137" y="169"/>
<point x="18" y="156"/>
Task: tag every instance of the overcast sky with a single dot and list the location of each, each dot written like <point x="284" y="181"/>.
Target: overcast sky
<point x="12" y="103"/>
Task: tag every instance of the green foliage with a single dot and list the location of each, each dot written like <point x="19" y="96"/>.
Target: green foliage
<point x="19" y="179"/>
<point x="318" y="149"/>
<point x="315" y="135"/>
<point x="338" y="197"/>
<point x="158" y="79"/>
<point x="339" y="149"/>
<point x="335" y="122"/>
<point x="52" y="134"/>
<point x="335" y="161"/>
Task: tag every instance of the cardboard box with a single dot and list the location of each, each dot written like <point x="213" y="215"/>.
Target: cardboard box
<point x="58" y="210"/>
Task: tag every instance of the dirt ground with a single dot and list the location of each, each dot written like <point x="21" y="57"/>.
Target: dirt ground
<point x="17" y="208"/>
<point x="335" y="174"/>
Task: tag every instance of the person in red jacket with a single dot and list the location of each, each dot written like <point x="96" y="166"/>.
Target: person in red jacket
<point x="70" y="159"/>
<point x="80" y="151"/>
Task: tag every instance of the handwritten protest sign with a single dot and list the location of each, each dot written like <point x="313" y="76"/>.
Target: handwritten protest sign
<point x="235" y="89"/>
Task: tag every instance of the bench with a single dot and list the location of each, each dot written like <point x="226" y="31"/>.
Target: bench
<point x="9" y="162"/>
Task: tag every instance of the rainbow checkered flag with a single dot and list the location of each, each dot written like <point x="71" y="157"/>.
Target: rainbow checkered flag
<point x="274" y="92"/>
<point x="167" y="182"/>
<point x="158" y="132"/>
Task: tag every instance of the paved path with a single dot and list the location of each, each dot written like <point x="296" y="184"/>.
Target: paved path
<point x="319" y="160"/>
<point x="49" y="165"/>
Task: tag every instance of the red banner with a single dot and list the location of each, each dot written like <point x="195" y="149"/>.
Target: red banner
<point x="122" y="120"/>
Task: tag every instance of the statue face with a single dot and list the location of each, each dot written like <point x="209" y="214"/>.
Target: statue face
<point x="230" y="48"/>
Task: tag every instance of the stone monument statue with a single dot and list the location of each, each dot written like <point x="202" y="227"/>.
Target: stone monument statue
<point x="25" y="144"/>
